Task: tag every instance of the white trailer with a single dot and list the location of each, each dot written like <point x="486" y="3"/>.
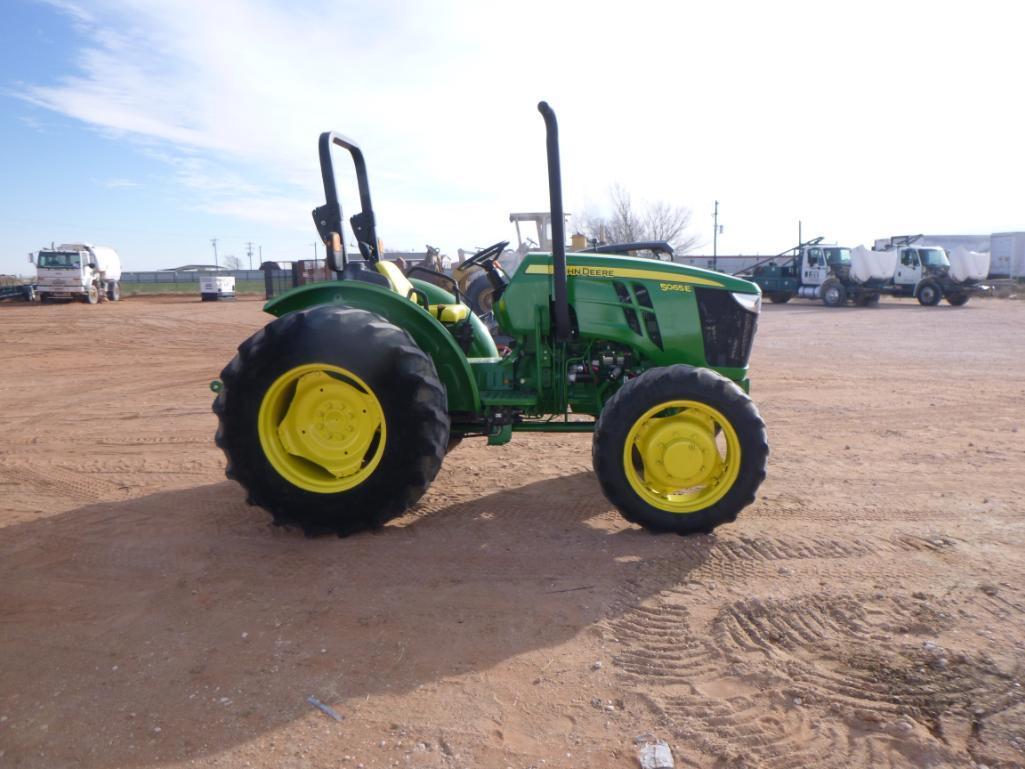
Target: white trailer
<point x="78" y="271"/>
<point x="214" y="287"/>
<point x="1007" y="254"/>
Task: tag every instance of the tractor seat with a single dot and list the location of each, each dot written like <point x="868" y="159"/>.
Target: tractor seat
<point x="446" y="313"/>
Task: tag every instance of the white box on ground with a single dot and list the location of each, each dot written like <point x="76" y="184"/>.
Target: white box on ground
<point x="214" y="287"/>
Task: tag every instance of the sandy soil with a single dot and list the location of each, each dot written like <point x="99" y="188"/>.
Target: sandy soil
<point x="868" y="610"/>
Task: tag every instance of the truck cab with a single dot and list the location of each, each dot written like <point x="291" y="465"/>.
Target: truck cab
<point x="916" y="263"/>
<point x="78" y="271"/>
<point x="818" y="262"/>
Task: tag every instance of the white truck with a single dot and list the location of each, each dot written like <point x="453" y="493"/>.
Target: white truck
<point x="834" y="274"/>
<point x="930" y="273"/>
<point x="78" y="271"/>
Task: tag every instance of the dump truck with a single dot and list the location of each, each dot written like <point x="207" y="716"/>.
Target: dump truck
<point x="78" y="271"/>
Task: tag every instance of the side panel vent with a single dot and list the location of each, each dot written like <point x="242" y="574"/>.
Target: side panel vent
<point x="628" y="312"/>
<point x="650" y="320"/>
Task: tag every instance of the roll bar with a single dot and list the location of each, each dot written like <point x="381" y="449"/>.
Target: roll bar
<point x="328" y="218"/>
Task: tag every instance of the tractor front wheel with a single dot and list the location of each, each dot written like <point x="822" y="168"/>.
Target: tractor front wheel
<point x="680" y="449"/>
<point x="332" y="419"/>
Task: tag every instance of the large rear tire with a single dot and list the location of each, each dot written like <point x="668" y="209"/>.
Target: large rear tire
<point x="332" y="419"/>
<point x="480" y="295"/>
<point x="114" y="291"/>
<point x="680" y="449"/>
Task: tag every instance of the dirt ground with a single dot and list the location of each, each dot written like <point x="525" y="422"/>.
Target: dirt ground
<point x="867" y="611"/>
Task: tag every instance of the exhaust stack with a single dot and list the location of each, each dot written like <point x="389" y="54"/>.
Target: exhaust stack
<point x="562" y="329"/>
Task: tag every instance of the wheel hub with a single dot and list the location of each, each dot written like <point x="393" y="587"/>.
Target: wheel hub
<point x="330" y="423"/>
<point x="679" y="454"/>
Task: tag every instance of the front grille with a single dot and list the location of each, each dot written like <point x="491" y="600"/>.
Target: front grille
<point x="727" y="328"/>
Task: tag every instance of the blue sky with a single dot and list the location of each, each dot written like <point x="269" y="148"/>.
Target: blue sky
<point x="156" y="126"/>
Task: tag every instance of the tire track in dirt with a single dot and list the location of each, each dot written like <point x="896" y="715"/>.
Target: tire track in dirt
<point x="815" y="679"/>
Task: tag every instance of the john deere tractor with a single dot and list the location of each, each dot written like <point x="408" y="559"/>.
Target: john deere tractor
<point x="336" y="416"/>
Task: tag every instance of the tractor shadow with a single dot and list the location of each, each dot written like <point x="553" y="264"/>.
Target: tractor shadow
<point x="178" y="625"/>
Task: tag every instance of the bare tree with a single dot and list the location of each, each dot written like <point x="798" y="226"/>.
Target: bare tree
<point x="232" y="262"/>
<point x="625" y="224"/>
<point x="663" y="221"/>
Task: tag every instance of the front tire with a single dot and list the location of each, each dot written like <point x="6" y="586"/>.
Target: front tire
<point x="780" y="298"/>
<point x="680" y="449"/>
<point x="929" y="294"/>
<point x="833" y="293"/>
<point x="332" y="419"/>
<point x="92" y="296"/>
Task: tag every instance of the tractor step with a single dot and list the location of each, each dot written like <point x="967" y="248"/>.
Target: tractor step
<point x="508" y="397"/>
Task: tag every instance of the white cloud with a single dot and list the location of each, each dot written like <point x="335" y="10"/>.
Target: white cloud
<point x="117" y="183"/>
<point x="861" y="119"/>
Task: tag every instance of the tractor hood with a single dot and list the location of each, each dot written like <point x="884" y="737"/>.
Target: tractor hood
<point x="635" y="268"/>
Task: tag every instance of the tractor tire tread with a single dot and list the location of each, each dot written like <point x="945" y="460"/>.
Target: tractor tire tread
<point x="415" y="408"/>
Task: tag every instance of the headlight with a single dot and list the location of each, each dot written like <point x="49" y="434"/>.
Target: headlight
<point x="750" y="302"/>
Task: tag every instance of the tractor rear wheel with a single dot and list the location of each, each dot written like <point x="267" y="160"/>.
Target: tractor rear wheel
<point x="332" y="419"/>
<point x="480" y="295"/>
<point x="680" y="449"/>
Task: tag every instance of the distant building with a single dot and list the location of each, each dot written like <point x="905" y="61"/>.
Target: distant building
<point x="195" y="268"/>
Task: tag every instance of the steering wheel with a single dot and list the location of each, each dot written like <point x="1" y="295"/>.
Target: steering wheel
<point x="486" y="256"/>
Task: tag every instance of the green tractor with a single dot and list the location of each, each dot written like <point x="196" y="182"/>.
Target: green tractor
<point x="336" y="416"/>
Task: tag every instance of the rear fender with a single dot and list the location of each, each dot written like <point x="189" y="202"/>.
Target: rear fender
<point x="428" y="333"/>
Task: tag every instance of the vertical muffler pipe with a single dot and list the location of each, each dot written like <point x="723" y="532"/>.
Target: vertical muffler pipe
<point x="562" y="329"/>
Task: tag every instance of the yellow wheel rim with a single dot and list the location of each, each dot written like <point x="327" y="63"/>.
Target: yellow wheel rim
<point x="682" y="456"/>
<point x="322" y="428"/>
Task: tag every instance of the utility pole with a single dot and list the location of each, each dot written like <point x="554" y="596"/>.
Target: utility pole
<point x="249" y="252"/>
<point x="261" y="254"/>
<point x="715" y="237"/>
<point x="214" y="241"/>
